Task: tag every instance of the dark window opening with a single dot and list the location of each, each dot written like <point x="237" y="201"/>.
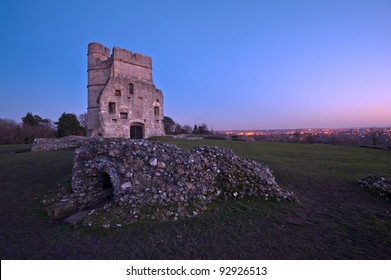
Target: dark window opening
<point x="157" y="100"/>
<point x="156" y="111"/>
<point x="130" y="88"/>
<point x="111" y="108"/>
<point x="136" y="132"/>
<point x="114" y="120"/>
<point x="117" y="92"/>
<point x="123" y="115"/>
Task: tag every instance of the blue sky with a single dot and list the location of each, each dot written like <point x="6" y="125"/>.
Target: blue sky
<point x="230" y="64"/>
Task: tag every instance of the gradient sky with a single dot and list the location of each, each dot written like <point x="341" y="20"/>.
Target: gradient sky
<point x="230" y="64"/>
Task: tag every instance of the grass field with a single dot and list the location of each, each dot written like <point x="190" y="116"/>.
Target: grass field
<point x="334" y="218"/>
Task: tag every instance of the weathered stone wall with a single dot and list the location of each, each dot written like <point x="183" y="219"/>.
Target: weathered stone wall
<point x="55" y="144"/>
<point x="121" y="93"/>
<point x="139" y="108"/>
<point x="98" y="74"/>
<point x="140" y="179"/>
<point x="130" y="64"/>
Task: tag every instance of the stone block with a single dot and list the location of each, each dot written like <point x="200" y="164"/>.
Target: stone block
<point x="61" y="209"/>
<point x="76" y="219"/>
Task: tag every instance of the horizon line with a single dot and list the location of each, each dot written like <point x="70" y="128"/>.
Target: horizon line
<point x="354" y="127"/>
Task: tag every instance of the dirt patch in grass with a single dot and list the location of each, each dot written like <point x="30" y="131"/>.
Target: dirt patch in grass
<point x="335" y="218"/>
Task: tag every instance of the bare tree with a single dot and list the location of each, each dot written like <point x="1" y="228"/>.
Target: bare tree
<point x="187" y="128"/>
<point x="9" y="132"/>
<point x="83" y="120"/>
<point x="375" y="135"/>
<point x="12" y="132"/>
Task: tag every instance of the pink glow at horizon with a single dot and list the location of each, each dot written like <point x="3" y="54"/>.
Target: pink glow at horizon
<point x="229" y="64"/>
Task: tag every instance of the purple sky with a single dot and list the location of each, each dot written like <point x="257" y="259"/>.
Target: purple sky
<point x="230" y="64"/>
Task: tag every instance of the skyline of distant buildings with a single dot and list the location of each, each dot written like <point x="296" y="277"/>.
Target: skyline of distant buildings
<point x="369" y="136"/>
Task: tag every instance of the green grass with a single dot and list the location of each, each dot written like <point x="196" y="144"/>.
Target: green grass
<point x="334" y="218"/>
<point x="337" y="164"/>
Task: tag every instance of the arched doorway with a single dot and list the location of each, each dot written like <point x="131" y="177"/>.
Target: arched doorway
<point x="106" y="181"/>
<point x="107" y="185"/>
<point x="136" y="131"/>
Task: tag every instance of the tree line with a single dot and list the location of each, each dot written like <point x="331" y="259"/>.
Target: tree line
<point x="173" y="128"/>
<point x="34" y="126"/>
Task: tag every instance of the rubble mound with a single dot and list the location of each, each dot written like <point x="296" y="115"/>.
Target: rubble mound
<point x="140" y="179"/>
<point x="378" y="185"/>
<point x="55" y="144"/>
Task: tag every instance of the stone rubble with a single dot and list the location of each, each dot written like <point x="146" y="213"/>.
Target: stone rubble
<point x="55" y="144"/>
<point x="378" y="185"/>
<point x="123" y="180"/>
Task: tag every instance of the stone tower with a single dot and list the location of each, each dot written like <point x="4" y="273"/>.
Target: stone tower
<point x="123" y="102"/>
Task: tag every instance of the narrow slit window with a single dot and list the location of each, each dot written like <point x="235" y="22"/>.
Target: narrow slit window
<point x="123" y="115"/>
<point x="117" y="92"/>
<point x="130" y="88"/>
<point x="111" y="107"/>
<point x="156" y="111"/>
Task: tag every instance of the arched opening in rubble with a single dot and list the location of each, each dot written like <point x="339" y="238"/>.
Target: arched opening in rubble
<point x="107" y="184"/>
<point x="106" y="180"/>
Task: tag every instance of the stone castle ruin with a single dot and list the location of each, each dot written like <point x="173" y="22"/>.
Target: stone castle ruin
<point x="123" y="102"/>
<point x="117" y="179"/>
